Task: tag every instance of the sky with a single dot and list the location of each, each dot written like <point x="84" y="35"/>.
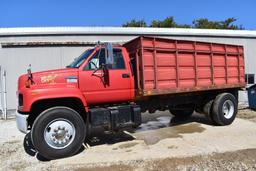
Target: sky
<point x="43" y="13"/>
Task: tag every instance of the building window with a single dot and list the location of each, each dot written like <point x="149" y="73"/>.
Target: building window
<point x="249" y="78"/>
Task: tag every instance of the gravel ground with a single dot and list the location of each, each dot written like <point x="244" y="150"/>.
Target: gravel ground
<point x="159" y="144"/>
<point x="229" y="161"/>
<point x="247" y="114"/>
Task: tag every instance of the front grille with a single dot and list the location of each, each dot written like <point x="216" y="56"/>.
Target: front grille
<point x="20" y="99"/>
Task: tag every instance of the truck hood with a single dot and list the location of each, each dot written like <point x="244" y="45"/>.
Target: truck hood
<point x="58" y="77"/>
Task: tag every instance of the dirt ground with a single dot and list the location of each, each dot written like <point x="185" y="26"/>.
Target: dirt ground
<point x="161" y="143"/>
<point x="247" y="114"/>
<point x="238" y="160"/>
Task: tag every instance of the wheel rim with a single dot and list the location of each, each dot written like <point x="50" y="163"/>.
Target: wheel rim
<point x="228" y="109"/>
<point x="59" y="133"/>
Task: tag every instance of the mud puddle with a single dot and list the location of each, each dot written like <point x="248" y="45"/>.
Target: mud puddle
<point x="154" y="136"/>
<point x="156" y="123"/>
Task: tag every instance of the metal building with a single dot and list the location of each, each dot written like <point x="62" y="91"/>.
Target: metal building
<point x="55" y="47"/>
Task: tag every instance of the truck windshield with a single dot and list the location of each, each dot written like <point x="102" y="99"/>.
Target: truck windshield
<point x="79" y="60"/>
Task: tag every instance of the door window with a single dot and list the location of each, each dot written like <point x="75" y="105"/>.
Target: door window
<point x="98" y="60"/>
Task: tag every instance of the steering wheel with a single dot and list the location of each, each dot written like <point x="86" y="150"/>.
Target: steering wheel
<point x="93" y="64"/>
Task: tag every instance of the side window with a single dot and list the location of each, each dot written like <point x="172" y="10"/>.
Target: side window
<point x="96" y="61"/>
<point x="118" y="59"/>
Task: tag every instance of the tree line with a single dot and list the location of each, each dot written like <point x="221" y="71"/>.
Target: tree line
<point x="201" y="23"/>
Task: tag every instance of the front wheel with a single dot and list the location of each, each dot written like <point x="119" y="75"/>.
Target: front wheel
<point x="58" y="132"/>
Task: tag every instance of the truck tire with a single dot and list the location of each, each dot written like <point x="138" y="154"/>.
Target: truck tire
<point x="179" y="113"/>
<point x="224" y="109"/>
<point x="58" y="132"/>
<point x="207" y="110"/>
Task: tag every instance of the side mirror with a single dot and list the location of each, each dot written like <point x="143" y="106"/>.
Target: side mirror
<point x="109" y="54"/>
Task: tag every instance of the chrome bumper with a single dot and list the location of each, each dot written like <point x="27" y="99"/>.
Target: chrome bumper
<point x="21" y="121"/>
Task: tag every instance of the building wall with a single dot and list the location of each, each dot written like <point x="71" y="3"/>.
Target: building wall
<point x="16" y="59"/>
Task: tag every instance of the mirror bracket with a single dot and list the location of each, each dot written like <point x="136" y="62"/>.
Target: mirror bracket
<point x="109" y="54"/>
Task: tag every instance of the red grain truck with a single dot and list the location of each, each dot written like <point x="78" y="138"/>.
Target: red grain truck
<point x="109" y="86"/>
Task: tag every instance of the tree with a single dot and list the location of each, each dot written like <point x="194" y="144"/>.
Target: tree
<point x="228" y="24"/>
<point x="184" y="26"/>
<point x="204" y="23"/>
<point x="169" y="22"/>
<point x="135" y="23"/>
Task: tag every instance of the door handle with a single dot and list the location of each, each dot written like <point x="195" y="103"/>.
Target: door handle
<point x="125" y="75"/>
<point x="99" y="74"/>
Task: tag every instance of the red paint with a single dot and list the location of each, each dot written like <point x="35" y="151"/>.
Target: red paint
<point x="119" y="89"/>
<point x="169" y="66"/>
<point x="161" y="66"/>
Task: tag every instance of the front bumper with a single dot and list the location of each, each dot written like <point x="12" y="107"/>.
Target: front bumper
<point x="22" y="123"/>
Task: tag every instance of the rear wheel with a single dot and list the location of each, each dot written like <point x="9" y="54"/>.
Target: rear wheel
<point x="224" y="109"/>
<point x="58" y="132"/>
<point x="182" y="113"/>
<point x="207" y="110"/>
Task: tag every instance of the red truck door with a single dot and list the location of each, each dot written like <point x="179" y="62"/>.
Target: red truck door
<point x="93" y="85"/>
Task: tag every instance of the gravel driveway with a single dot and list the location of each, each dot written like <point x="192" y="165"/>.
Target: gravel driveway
<point x="161" y="143"/>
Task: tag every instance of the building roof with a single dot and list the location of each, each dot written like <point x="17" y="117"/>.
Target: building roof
<point x="124" y="31"/>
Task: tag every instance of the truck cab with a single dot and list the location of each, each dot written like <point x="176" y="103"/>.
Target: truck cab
<point x="100" y="82"/>
<point x="93" y="81"/>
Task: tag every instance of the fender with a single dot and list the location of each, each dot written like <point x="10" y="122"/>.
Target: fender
<point x="32" y="95"/>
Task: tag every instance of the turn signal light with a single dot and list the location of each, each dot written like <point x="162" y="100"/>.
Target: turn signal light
<point x="27" y="85"/>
